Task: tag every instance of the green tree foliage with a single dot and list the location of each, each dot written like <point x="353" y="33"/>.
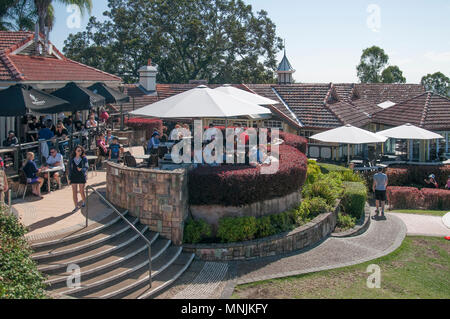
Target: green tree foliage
<point x="371" y="68"/>
<point x="222" y="41"/>
<point x="393" y="74"/>
<point x="438" y="83"/>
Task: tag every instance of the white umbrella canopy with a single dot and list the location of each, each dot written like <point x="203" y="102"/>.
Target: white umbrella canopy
<point x="410" y="132"/>
<point x="349" y="135"/>
<point x="201" y="102"/>
<point x="246" y="96"/>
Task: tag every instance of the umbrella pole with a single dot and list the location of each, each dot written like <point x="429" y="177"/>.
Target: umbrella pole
<point x="348" y="153"/>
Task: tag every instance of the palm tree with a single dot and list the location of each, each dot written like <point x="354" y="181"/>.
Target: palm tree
<point x="44" y="10"/>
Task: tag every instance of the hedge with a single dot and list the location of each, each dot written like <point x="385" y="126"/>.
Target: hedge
<point x="149" y="125"/>
<point x="415" y="175"/>
<point x="296" y="141"/>
<point x="413" y="198"/>
<point x="354" y="199"/>
<point x="231" y="185"/>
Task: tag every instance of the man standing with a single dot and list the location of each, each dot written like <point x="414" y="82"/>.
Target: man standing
<point x="380" y="182"/>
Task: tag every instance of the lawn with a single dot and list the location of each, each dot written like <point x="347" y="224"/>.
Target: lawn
<point x="418" y="269"/>
<point x="421" y="212"/>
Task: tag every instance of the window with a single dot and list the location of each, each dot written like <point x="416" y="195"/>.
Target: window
<point x="273" y="124"/>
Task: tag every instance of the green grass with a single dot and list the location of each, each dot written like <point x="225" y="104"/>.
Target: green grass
<point x="418" y="269"/>
<point x="421" y="212"/>
<point x="328" y="168"/>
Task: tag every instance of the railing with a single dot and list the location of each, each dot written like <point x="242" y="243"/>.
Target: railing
<point x="149" y="244"/>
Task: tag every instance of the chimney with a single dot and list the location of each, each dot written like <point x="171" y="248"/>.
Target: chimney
<point x="147" y="77"/>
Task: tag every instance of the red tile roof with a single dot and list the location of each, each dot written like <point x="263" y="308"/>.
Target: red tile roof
<point x="21" y="67"/>
<point x="378" y="93"/>
<point x="427" y="110"/>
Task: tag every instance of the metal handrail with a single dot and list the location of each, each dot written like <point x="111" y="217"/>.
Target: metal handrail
<point x="149" y="244"/>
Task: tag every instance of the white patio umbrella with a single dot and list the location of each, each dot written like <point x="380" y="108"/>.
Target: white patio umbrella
<point x="410" y="132"/>
<point x="246" y="96"/>
<point x="349" y="134"/>
<point x="201" y="102"/>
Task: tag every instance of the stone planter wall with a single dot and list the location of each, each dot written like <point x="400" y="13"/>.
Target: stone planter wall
<point x="304" y="236"/>
<point x="213" y="213"/>
<point x="158" y="198"/>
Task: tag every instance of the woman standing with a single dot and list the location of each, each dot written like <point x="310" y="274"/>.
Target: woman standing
<point x="78" y="175"/>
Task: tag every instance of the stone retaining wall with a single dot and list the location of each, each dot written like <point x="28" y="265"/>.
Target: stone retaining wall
<point x="213" y="213"/>
<point x="158" y="198"/>
<point x="304" y="236"/>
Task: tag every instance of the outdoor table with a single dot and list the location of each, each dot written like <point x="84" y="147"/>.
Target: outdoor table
<point x="51" y="170"/>
<point x="92" y="158"/>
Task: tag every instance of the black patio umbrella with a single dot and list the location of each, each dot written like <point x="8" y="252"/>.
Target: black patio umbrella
<point x="112" y="96"/>
<point x="15" y="100"/>
<point x="80" y="98"/>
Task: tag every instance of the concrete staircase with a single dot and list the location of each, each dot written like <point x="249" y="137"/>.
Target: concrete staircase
<point x="113" y="261"/>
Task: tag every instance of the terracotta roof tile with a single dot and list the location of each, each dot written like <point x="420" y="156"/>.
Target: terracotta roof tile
<point x="428" y="110"/>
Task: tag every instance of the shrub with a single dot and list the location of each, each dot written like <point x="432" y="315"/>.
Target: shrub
<point x="328" y="188"/>
<point x="397" y="176"/>
<point x="231" y="185"/>
<point x="354" y="199"/>
<point x="265" y="228"/>
<point x="237" y="229"/>
<point x="349" y="176"/>
<point x="415" y="175"/>
<point x="19" y="277"/>
<point x="196" y="230"/>
<point x="437" y="199"/>
<point x="296" y="141"/>
<point x="313" y="172"/>
<point x="283" y="222"/>
<point x="309" y="209"/>
<point x="345" y="221"/>
<point x="404" y="197"/>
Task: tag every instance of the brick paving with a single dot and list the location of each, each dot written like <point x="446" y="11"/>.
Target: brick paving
<point x="53" y="215"/>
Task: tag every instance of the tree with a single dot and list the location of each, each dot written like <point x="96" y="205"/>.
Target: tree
<point x="393" y="74"/>
<point x="222" y="41"/>
<point x="373" y="60"/>
<point x="45" y="10"/>
<point x="438" y="83"/>
<point x="21" y="15"/>
<point x="5" y="5"/>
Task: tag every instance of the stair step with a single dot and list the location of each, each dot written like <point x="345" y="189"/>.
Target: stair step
<point x="165" y="279"/>
<point x="90" y="268"/>
<point x="137" y="278"/>
<point x="132" y="265"/>
<point x="64" y="248"/>
<point x="106" y="248"/>
<point x="92" y="229"/>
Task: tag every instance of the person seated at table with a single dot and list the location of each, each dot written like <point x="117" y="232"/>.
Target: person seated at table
<point x="153" y="144"/>
<point x="109" y="137"/>
<point x="62" y="133"/>
<point x="164" y="137"/>
<point x="101" y="144"/>
<point x="51" y="126"/>
<point x="431" y="180"/>
<point x="3" y="182"/>
<point x="33" y="126"/>
<point x="115" y="150"/>
<point x="56" y="160"/>
<point x="11" y="140"/>
<point x="31" y="172"/>
<point x="91" y="123"/>
<point x="104" y="116"/>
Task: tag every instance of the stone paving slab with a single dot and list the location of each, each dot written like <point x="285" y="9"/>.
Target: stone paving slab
<point x="53" y="216"/>
<point x="423" y="225"/>
<point x="446" y="220"/>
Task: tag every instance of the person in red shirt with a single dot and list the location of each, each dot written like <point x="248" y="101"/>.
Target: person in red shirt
<point x="104" y="116"/>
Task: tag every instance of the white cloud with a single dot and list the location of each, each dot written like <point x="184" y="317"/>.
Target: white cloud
<point x="438" y="56"/>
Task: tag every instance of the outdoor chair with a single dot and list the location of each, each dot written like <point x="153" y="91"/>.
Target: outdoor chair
<point x="23" y="181"/>
<point x="130" y="161"/>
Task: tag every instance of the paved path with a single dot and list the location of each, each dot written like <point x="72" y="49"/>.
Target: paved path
<point x="53" y="215"/>
<point x="424" y="225"/>
<point x="382" y="238"/>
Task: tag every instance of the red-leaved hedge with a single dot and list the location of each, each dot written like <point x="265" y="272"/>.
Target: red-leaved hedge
<point x="296" y="141"/>
<point x="149" y="125"/>
<point x="231" y="185"/>
<point x="413" y="198"/>
<point x="415" y="175"/>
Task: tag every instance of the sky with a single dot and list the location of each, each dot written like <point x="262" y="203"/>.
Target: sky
<point x="325" y="38"/>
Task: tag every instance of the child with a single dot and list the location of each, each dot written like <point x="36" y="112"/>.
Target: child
<point x="101" y="144"/>
<point x="432" y="181"/>
<point x="115" y="150"/>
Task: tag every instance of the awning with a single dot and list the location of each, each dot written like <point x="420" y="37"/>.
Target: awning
<point x="111" y="96"/>
<point x="80" y="98"/>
